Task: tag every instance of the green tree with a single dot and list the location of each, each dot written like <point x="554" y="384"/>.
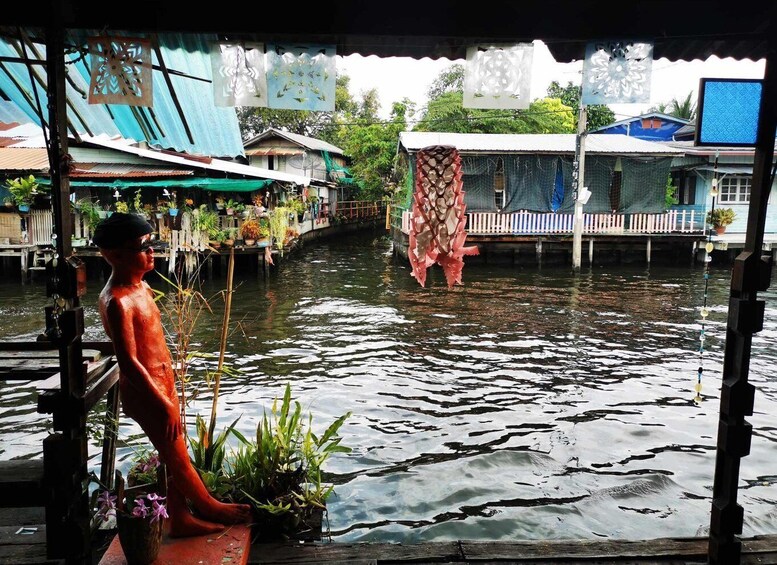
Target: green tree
<point x="449" y="80"/>
<point x="685" y="108"/>
<point x="446" y="113"/>
<point x="599" y="115"/>
<point x="372" y="148"/>
<point x="254" y="120"/>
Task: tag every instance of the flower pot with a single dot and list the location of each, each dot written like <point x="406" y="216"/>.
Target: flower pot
<point x="229" y="242"/>
<point x="24" y="208"/>
<point x="102" y="214"/>
<point x="173" y="212"/>
<point x="250" y="242"/>
<point x="720" y="230"/>
<point x="270" y="528"/>
<point x="159" y="215"/>
<point x="140" y="538"/>
<point x="230" y="212"/>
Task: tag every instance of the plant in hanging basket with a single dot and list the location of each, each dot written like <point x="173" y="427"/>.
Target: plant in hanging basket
<point x="279" y="472"/>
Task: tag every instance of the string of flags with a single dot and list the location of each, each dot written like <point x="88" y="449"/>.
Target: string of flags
<point x="302" y="77"/>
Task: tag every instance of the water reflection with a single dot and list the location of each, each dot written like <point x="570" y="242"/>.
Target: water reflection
<point x="528" y="404"/>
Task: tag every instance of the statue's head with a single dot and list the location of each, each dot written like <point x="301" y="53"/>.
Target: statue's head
<point x="125" y="241"/>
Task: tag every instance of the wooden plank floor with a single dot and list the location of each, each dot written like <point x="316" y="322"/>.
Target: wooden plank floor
<point x="23" y="547"/>
<point x="760" y="550"/>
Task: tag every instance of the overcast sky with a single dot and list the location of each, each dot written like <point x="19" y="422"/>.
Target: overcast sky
<point x="399" y="77"/>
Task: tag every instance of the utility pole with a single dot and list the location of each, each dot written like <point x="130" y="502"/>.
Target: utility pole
<point x="578" y="175"/>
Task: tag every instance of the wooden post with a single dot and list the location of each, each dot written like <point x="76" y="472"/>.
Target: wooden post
<point x="539" y="250"/>
<point x="67" y="510"/>
<point x="649" y="249"/>
<point x="750" y="274"/>
<point x="578" y="183"/>
<point x="591" y="251"/>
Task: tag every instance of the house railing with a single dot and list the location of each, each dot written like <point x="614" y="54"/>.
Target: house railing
<point x="537" y="223"/>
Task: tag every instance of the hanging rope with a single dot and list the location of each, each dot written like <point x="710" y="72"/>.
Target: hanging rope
<point x="707" y="262"/>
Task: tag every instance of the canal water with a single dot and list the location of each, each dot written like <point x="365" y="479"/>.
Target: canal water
<point x="527" y="404"/>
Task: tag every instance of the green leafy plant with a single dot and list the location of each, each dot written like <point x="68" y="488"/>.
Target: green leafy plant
<point x="208" y="456"/>
<point x="23" y="190"/>
<point x="296" y="205"/>
<point x="122" y="207"/>
<point x="250" y="230"/>
<point x="90" y="211"/>
<point x="670" y="194"/>
<point x="279" y="221"/>
<point x="279" y="472"/>
<point x="721" y="217"/>
<point x="137" y="202"/>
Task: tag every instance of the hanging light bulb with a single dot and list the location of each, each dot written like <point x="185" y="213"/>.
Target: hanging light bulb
<point x="709" y="247"/>
<point x="704" y="312"/>
<point x="714" y="189"/>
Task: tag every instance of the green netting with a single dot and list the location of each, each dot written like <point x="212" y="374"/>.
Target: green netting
<point x="529" y="182"/>
<point x="478" y="179"/>
<point x="644" y="184"/>
<point x="598" y="179"/>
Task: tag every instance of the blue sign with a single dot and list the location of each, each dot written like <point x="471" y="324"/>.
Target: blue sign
<point x="728" y="111"/>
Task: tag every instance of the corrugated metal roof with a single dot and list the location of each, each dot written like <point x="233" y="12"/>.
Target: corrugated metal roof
<point x="274" y="151"/>
<point x="665" y="117"/>
<point x="110" y="170"/>
<point x="303" y="140"/>
<point x="23" y="131"/>
<point x="14" y="159"/>
<point x="214" y="165"/>
<point x="615" y="144"/>
<point x="215" y="130"/>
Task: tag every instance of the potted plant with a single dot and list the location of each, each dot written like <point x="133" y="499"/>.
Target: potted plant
<point x="90" y="213"/>
<point x="162" y="208"/>
<point x="22" y="190"/>
<point x="279" y="472"/>
<point x="139" y="509"/>
<point x="219" y="203"/>
<point x="719" y="218"/>
<point x="264" y="235"/>
<point x="231" y="234"/>
<point x="250" y="231"/>
<point x="122" y="207"/>
<point x="230" y="206"/>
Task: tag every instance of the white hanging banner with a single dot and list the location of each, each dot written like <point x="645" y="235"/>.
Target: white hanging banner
<point x="301" y="77"/>
<point x="498" y="76"/>
<point x="617" y="72"/>
<point x="238" y="74"/>
<point x="121" y="71"/>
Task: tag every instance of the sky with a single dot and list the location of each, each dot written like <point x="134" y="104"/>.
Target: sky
<point x="400" y="77"/>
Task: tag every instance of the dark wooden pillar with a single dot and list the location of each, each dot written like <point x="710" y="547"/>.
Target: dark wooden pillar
<point x="65" y="452"/>
<point x="751" y="273"/>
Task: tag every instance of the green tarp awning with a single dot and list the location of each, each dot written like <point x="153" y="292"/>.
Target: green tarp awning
<point x="218" y="185"/>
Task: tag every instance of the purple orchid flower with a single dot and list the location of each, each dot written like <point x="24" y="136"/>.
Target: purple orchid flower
<point x="140" y="510"/>
<point x="158" y="512"/>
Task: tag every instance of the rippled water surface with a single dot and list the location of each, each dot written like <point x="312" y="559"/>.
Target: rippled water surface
<point x="528" y="404"/>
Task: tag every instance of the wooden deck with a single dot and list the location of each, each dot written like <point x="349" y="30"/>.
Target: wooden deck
<point x="23" y="537"/>
<point x="676" y="551"/>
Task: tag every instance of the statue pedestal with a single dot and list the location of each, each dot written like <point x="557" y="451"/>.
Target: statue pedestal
<point x="233" y="544"/>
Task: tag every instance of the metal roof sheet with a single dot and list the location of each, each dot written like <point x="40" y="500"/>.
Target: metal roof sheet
<point x="273" y="151"/>
<point x="110" y="170"/>
<point x="616" y="144"/>
<point x="214" y="130"/>
<point x="214" y="164"/>
<point x="665" y="117"/>
<point x="14" y="159"/>
<point x="303" y="140"/>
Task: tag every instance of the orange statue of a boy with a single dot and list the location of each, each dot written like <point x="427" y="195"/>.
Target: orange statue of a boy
<point x="147" y="382"/>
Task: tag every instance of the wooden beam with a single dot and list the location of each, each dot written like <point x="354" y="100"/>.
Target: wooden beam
<point x="169" y="83"/>
<point x="751" y="273"/>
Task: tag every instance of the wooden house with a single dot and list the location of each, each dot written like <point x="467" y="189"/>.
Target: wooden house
<point x="292" y="153"/>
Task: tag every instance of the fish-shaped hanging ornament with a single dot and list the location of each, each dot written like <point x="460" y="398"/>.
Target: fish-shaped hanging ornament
<point x="438" y="215"/>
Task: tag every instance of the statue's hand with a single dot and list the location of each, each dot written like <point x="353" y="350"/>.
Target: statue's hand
<point x="173" y="423"/>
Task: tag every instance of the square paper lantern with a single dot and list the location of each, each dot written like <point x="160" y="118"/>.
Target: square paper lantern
<point x="728" y="111"/>
<point x="121" y="71"/>
<point x="498" y="76"/>
<point x="617" y="72"/>
<point x="301" y="77"/>
<point x="238" y="74"/>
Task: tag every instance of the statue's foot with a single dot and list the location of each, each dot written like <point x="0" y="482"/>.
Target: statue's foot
<point x="186" y="526"/>
<point x="226" y="513"/>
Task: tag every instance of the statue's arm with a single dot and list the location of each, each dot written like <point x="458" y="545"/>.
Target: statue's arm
<point x="133" y="372"/>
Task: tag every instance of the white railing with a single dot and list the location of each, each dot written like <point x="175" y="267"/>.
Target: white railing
<point x="537" y="223"/>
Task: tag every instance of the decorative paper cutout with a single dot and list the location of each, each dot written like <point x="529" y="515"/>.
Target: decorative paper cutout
<point x="437" y="222"/>
<point x="617" y="72"/>
<point x="121" y="71"/>
<point x="498" y="76"/>
<point x="238" y="74"/>
<point x="301" y="77"/>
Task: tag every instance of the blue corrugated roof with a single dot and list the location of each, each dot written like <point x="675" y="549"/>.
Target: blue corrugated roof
<point x="214" y="129"/>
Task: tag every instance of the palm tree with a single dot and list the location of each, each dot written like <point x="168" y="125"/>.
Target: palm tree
<point x="685" y="108"/>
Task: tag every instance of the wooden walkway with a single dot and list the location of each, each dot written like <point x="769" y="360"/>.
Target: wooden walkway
<point x="760" y="550"/>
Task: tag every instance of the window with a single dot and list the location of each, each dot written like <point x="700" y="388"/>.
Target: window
<point x="734" y="190"/>
<point x="270" y="162"/>
<point x="499" y="184"/>
<point x="685" y="181"/>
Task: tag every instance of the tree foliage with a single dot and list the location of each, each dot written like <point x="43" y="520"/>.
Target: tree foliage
<point x="446" y="113"/>
<point x="254" y="120"/>
<point x="685" y="108"/>
<point x="599" y="115"/>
